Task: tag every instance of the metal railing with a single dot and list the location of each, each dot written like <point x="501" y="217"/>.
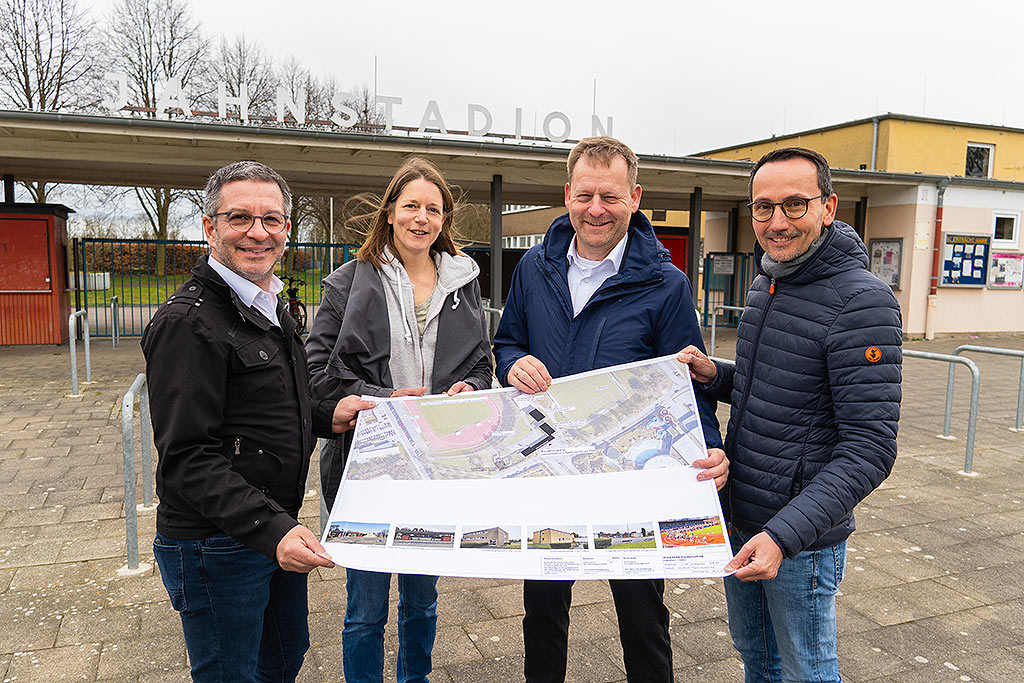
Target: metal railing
<point x="714" y="323"/>
<point x="73" y="346"/>
<point x="131" y="513"/>
<point x="997" y="352"/>
<point x="972" y="418"/>
<point x="493" y="318"/>
<point x="115" y="328"/>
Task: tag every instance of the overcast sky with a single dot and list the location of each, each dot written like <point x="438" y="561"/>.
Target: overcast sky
<point x="676" y="77"/>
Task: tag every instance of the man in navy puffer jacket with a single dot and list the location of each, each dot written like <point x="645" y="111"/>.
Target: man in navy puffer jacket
<point x="599" y="291"/>
<point x="815" y="397"/>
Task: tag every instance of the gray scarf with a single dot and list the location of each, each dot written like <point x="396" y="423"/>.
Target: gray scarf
<point x="782" y="269"/>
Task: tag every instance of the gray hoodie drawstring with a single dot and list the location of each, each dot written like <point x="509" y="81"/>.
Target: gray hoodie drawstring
<point x="401" y="306"/>
<point x="458" y="301"/>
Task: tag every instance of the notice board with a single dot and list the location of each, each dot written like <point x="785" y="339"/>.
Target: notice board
<point x="965" y="259"/>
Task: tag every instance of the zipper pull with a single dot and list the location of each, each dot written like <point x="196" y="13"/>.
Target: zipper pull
<point x="771" y="287"/>
<point x="238" y="445"/>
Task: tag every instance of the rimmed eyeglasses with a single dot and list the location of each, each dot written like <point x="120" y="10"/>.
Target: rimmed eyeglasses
<point x="792" y="207"/>
<point x="242" y="221"/>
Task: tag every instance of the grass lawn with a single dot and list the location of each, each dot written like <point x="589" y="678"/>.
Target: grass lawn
<point x="136" y="289"/>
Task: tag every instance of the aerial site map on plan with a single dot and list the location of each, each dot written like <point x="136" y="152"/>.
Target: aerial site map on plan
<point x="630" y="418"/>
<point x="590" y="479"/>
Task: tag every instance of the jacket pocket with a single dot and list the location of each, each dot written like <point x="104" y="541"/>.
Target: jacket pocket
<point x="258" y="373"/>
<point x="797" y="484"/>
<point x="258" y="466"/>
<point x="172" y="573"/>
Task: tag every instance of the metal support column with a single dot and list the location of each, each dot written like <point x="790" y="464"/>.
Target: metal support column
<point x="694" y="256"/>
<point x="860" y="216"/>
<point x="496" y="300"/>
<point x="8" y="188"/>
<point x="733" y="233"/>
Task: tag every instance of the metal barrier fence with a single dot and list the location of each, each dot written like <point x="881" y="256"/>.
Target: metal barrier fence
<point x="131" y="514"/>
<point x="727" y="278"/>
<point x="963" y="348"/>
<point x="142" y="274"/>
<point x="714" y="323"/>
<point x="73" y="347"/>
<point x="493" y="318"/>
<point x="115" y="328"/>
<point x="972" y="418"/>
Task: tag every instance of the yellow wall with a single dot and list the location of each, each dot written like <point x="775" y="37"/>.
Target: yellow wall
<point x="941" y="148"/>
<point x="846" y="147"/>
<point x="904" y="146"/>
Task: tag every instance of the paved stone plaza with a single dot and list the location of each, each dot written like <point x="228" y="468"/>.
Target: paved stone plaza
<point x="933" y="590"/>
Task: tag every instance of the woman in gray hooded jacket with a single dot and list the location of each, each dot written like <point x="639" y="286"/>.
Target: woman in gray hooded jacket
<point x="383" y="317"/>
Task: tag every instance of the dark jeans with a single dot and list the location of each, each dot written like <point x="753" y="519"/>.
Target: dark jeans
<point x="643" y="629"/>
<point x="243" y="616"/>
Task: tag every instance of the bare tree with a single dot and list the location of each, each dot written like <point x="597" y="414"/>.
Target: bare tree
<point x="47" y="55"/>
<point x="47" y="61"/>
<point x="243" y="62"/>
<point x="156" y="43"/>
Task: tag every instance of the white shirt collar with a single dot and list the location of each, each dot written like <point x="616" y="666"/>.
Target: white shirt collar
<point x="247" y="290"/>
<point x="614" y="256"/>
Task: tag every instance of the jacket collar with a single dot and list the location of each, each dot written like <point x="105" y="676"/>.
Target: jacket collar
<point x="842" y="250"/>
<point x="641" y="263"/>
<point x="212" y="280"/>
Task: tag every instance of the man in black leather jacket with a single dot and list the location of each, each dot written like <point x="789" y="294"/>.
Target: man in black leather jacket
<point x="234" y="427"/>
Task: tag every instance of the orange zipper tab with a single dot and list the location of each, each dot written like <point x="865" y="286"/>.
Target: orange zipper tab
<point x="771" y="287"/>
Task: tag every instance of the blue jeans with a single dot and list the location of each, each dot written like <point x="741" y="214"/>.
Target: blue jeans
<point x="366" y="612"/>
<point x="243" y="616"/>
<point x="785" y="628"/>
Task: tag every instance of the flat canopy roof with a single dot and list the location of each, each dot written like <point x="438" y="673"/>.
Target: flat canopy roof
<point x="100" y="150"/>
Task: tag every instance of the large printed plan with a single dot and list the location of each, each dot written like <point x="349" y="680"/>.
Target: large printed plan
<point x="590" y="479"/>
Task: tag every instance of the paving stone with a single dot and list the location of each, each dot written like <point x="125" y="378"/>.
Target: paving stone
<point x="497" y="637"/>
<point x="505" y="668"/>
<point x="6" y="576"/>
<point x="71" y="663"/>
<point x="453" y="646"/>
<point x="97" y="548"/>
<point x="110" y="624"/>
<point x="327" y="595"/>
<point x="502" y="601"/>
<point x="894" y="605"/>
<point x="860" y="659"/>
<point x="73" y="497"/>
<point x="136" y="590"/>
<point x="166" y="675"/>
<point x="694" y="600"/>
<point x="454" y="608"/>
<point x="703" y="641"/>
<point x="27" y="554"/>
<point x="93" y="512"/>
<point x="22" y="501"/>
<point x="41" y="516"/>
<point x="993" y="584"/>
<point x="588" y="661"/>
<point x="66" y="574"/>
<point x="75" y="531"/>
<point x="146" y="654"/>
<point x="594" y="620"/>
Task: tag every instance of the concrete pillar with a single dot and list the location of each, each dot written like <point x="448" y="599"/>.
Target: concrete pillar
<point x="496" y="204"/>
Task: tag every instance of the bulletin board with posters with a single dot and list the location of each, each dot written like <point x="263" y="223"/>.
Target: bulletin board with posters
<point x="886" y="257"/>
<point x="1006" y="270"/>
<point x="965" y="259"/>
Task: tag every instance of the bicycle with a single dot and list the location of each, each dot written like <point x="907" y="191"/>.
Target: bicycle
<point x="296" y="308"/>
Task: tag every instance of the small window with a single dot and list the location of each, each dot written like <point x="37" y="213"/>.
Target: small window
<point x="979" y="160"/>
<point x="1004" y="229"/>
<point x="658" y="215"/>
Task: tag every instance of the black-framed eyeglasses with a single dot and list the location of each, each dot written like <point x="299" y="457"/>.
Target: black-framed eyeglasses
<point x="242" y="221"/>
<point x="792" y="207"/>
